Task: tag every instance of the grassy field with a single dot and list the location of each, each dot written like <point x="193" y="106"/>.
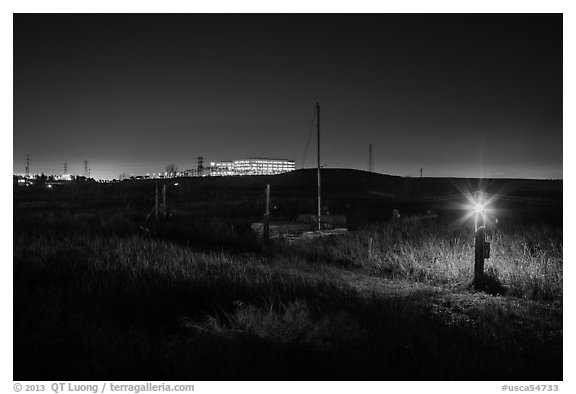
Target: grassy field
<point x="198" y="297"/>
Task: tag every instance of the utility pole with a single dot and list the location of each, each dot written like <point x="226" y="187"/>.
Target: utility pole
<point x="370" y="162"/>
<point x="319" y="187"/>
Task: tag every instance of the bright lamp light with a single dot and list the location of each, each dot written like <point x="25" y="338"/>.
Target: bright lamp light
<point x="478" y="208"/>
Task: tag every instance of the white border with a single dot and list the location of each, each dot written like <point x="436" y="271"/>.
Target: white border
<point x="304" y="6"/>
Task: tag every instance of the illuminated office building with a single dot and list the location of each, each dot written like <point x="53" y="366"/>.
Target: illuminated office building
<point x="252" y="167"/>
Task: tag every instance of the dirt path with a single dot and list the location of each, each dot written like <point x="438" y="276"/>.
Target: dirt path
<point x="453" y="305"/>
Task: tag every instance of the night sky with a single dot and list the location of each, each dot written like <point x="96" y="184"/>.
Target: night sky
<point x="458" y="95"/>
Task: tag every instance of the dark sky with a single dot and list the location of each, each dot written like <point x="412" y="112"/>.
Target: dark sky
<point x="459" y="95"/>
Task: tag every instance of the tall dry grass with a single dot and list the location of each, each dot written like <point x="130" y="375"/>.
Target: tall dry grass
<point x="94" y="300"/>
<point x="526" y="260"/>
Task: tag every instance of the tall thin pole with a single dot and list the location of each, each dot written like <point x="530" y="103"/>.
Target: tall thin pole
<point x="319" y="187"/>
<point x="370" y="162"/>
<point x="27" y="169"/>
<point x="156" y="203"/>
<point x="268" y="199"/>
<point x="164" y="200"/>
<point x="266" y="229"/>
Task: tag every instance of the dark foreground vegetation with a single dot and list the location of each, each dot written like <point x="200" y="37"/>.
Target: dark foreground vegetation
<point x="101" y="293"/>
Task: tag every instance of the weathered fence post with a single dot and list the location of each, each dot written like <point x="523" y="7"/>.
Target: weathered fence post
<point x="164" y="207"/>
<point x="266" y="222"/>
<point x="479" y="240"/>
<point x="156" y="203"/>
<point x="481" y="247"/>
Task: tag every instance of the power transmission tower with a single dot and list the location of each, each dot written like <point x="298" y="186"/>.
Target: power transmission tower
<point x="421" y="172"/>
<point x="370" y="161"/>
<point x="27" y="169"/>
<point x="86" y="172"/>
<point x="200" y="166"/>
<point x="65" y="168"/>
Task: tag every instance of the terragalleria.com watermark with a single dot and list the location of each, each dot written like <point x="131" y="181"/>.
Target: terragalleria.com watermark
<point x="103" y="387"/>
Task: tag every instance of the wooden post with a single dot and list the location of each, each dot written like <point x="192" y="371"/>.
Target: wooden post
<point x="156" y="203"/>
<point x="164" y="200"/>
<point x="479" y="243"/>
<point x="266" y="222"/>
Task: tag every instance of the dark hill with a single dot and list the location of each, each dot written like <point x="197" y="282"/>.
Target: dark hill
<point x="364" y="195"/>
<point x="357" y="184"/>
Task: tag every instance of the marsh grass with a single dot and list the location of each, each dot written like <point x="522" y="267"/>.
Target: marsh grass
<point x="525" y="260"/>
<point x="96" y="298"/>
